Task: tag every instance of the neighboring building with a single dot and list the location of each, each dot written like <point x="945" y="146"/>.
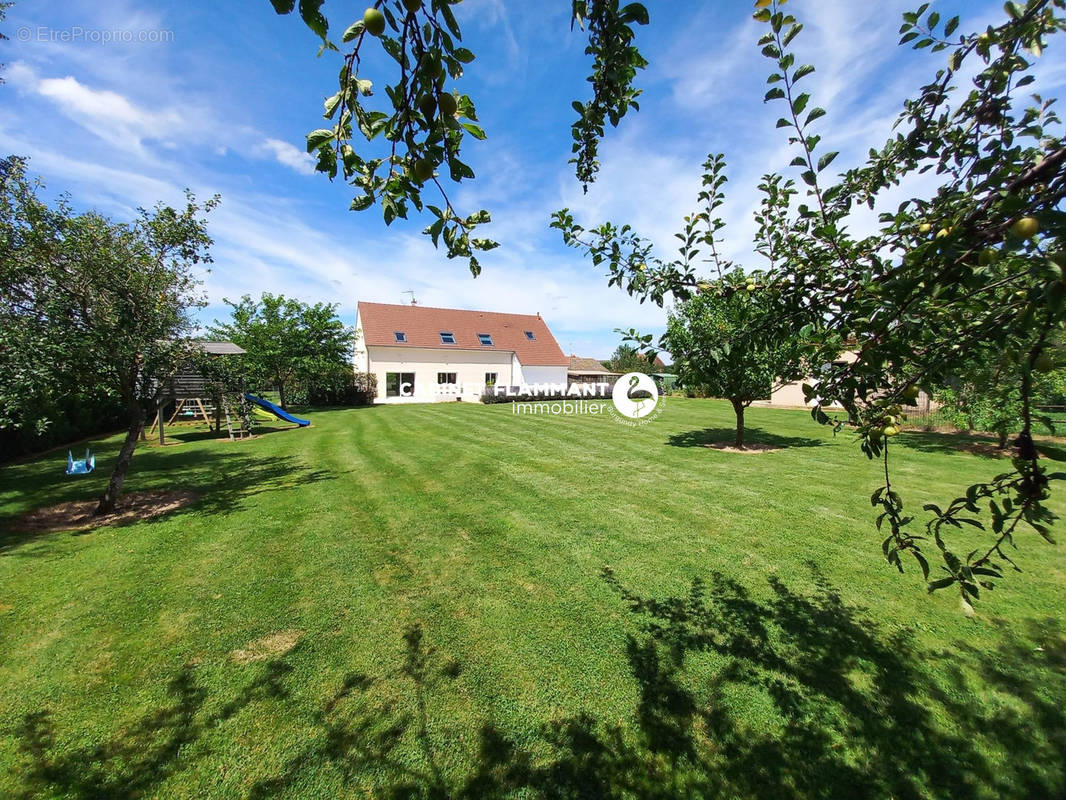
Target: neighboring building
<point x="423" y="354"/>
<point x="589" y="370"/>
<point x="790" y="395"/>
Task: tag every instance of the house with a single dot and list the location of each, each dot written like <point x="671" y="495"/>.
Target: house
<point x="589" y="370"/>
<point x="423" y="354"/>
<point x="790" y="395"/>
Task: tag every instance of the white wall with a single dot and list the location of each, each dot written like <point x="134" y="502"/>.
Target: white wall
<point x="534" y="374"/>
<point x="470" y="367"/>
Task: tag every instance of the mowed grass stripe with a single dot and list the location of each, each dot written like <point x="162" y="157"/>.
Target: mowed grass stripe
<point x="487" y="531"/>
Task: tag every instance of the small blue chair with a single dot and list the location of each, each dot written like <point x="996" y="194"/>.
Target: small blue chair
<point x="81" y="467"/>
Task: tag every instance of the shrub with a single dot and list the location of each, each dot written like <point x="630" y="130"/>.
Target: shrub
<point x="351" y="389"/>
<point x="73" y="417"/>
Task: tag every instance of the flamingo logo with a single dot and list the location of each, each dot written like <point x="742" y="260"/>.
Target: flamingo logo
<point x="635" y="395"/>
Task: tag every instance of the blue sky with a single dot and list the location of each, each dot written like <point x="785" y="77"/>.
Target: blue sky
<point x="224" y="104"/>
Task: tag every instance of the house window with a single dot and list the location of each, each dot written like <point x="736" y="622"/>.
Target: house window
<point x="530" y="336"/>
<point x="490" y="378"/>
<point x="401" y="336"/>
<point x="447" y="337"/>
<point x="485" y="339"/>
<point x="399" y="384"/>
<point x="446" y="377"/>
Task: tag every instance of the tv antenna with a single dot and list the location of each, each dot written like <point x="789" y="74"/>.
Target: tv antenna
<point x="412" y="293"/>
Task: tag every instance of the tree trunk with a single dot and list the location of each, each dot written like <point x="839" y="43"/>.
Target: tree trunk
<point x="1003" y="435"/>
<point x="738" y="409"/>
<point x="281" y="394"/>
<point x="125" y="455"/>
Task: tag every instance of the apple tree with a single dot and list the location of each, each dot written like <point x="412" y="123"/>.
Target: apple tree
<point x="720" y="343"/>
<point x="92" y="305"/>
<point x="412" y="139"/>
<point x="973" y="264"/>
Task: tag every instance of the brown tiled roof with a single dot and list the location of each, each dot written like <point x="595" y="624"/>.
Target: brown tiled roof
<point x="587" y="365"/>
<point x="423" y="325"/>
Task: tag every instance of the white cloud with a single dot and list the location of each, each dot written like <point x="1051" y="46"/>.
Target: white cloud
<point x="105" y="113"/>
<point x="289" y="155"/>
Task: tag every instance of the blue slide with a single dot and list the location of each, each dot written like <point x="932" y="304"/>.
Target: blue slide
<point x="278" y="411"/>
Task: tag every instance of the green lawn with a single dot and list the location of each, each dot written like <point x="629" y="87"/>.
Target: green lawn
<point x="410" y="602"/>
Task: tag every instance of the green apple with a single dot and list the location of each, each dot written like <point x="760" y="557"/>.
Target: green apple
<point x="988" y="256"/>
<point x="447" y="105"/>
<point x="412" y="5"/>
<point x="750" y="287"/>
<point x="925" y="227"/>
<point x="374" y="21"/>
<point x="889" y="430"/>
<point x="427" y="105"/>
<point x="1026" y="228"/>
<point x="910" y="393"/>
<point x="943" y="233"/>
<point x="423" y="169"/>
<point x="433" y="66"/>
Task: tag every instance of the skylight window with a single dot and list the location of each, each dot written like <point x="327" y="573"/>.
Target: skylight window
<point x="530" y="336"/>
<point x="447" y="337"/>
<point x="485" y="339"/>
<point x="401" y="336"/>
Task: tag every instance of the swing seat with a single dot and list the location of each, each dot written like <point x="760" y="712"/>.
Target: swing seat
<point x="81" y="467"/>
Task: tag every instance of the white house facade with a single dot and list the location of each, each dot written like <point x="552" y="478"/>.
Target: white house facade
<point x="423" y="354"/>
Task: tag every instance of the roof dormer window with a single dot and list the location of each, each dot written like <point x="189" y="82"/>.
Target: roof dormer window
<point x="485" y="339"/>
<point x="447" y="337"/>
<point x="401" y="337"/>
<point x="530" y="336"/>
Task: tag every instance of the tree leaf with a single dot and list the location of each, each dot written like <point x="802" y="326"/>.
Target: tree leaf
<point x="317" y="138"/>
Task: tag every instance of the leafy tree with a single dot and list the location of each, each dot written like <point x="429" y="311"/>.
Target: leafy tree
<point x="718" y="346"/>
<point x="627" y="358"/>
<point x="90" y="303"/>
<point x="288" y="340"/>
<point x="963" y="267"/>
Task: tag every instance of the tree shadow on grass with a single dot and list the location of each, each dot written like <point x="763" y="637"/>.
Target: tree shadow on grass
<point x="145" y="753"/>
<point x="709" y="436"/>
<point x="794" y="695"/>
<point x="225" y="480"/>
<point x="784" y="694"/>
<point x="946" y="442"/>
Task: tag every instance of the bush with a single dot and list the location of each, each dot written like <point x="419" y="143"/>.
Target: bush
<point x="75" y="417"/>
<point x="351" y="389"/>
